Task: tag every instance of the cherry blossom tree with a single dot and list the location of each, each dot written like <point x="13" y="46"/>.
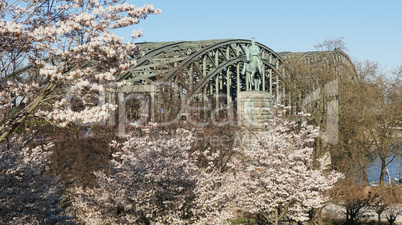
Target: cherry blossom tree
<point x="152" y="180"/>
<point x="149" y="182"/>
<point x="53" y="52"/>
<point x="72" y="52"/>
<point x="27" y="194"/>
<point x="161" y="180"/>
<point x="275" y="178"/>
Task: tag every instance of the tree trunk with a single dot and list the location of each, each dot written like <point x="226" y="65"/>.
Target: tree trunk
<point x="382" y="171"/>
<point x="315" y="216"/>
<point x="365" y="177"/>
<point x="276" y="216"/>
<point x="379" y="218"/>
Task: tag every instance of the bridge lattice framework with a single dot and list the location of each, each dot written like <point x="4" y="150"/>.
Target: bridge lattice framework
<point x="209" y="72"/>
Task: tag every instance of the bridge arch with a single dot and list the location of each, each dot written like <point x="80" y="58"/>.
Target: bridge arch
<point x="211" y="69"/>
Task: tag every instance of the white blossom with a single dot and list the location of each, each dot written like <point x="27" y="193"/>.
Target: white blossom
<point x="74" y="47"/>
<point x="27" y="194"/>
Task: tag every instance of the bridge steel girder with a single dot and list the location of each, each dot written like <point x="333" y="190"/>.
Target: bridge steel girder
<point x="335" y="57"/>
<point x="165" y="53"/>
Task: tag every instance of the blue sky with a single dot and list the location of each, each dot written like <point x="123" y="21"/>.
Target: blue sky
<point x="371" y="29"/>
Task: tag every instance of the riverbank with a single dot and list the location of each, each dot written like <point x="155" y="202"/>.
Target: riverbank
<point x="336" y="212"/>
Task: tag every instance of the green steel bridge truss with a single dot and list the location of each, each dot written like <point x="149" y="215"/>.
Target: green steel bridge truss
<point x="170" y="75"/>
<point x="210" y="70"/>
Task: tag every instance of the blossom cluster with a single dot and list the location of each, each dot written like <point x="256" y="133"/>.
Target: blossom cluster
<point x="86" y="116"/>
<point x="159" y="178"/>
<point x="14" y="96"/>
<point x="72" y="46"/>
<point x="150" y="181"/>
<point x="278" y="175"/>
<point x="27" y="194"/>
<point x="11" y="90"/>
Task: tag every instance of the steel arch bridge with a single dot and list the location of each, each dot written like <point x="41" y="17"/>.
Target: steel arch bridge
<point x="199" y="73"/>
<point x="171" y="78"/>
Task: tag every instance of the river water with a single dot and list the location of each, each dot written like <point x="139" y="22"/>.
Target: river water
<point x="394" y="168"/>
